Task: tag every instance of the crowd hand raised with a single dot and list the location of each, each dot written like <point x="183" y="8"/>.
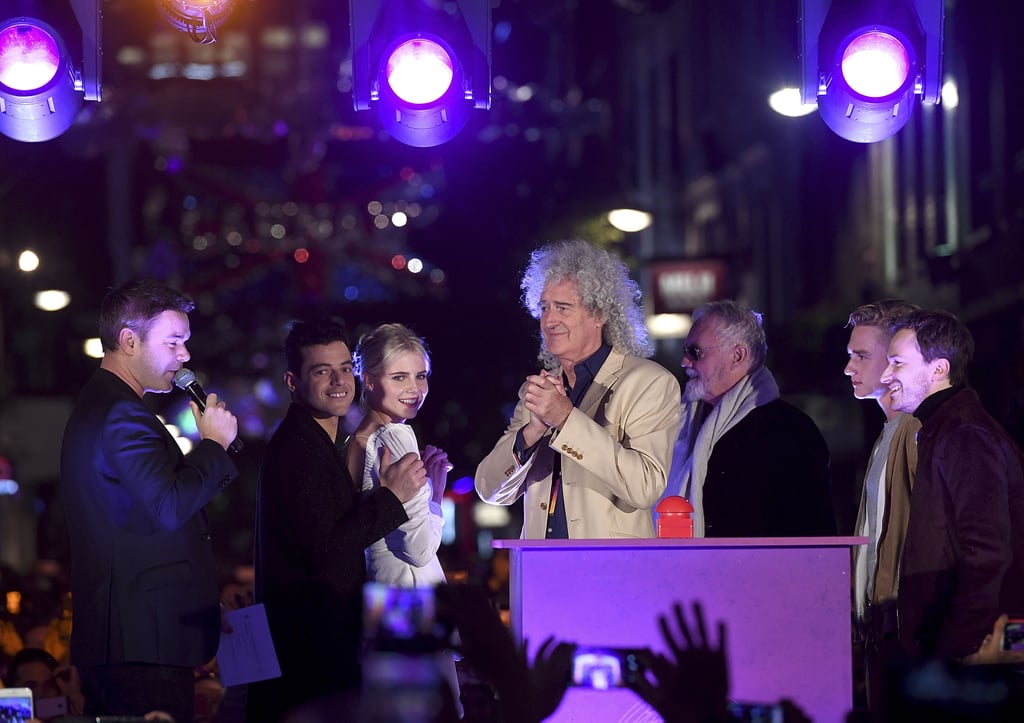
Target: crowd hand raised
<point x="528" y="693"/>
<point x="215" y="422"/>
<point x="435" y="460"/>
<point x="691" y="685"/>
<point x="549" y="676"/>
<point x="404" y="477"/>
<point x="10" y="641"/>
<point x="546" y="400"/>
<point x="69" y="684"/>
<point x="484" y="639"/>
<point x="991" y="651"/>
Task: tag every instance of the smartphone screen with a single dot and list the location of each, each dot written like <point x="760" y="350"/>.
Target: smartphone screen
<point x="604" y="668"/>
<point x="1013" y="634"/>
<point x="46" y="708"/>
<point x="15" y="705"/>
<point x="756" y="712"/>
<point x="401" y="619"/>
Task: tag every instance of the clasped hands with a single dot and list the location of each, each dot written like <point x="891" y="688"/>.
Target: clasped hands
<point x="546" y="400"/>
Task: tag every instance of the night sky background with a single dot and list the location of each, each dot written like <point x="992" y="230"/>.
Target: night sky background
<point x="214" y="185"/>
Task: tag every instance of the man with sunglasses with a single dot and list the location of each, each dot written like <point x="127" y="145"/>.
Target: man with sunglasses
<point x="751" y="464"/>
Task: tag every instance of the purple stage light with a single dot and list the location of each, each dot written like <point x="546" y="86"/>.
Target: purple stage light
<point x="419" y="71"/>
<point x="29" y="57"/>
<point x="40" y="89"/>
<point x="875" y="64"/>
<point x="423" y="64"/>
<point x="868" y="63"/>
<point x="870" y="95"/>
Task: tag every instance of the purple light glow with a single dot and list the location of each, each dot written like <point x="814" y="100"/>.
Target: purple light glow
<point x="29" y="57"/>
<point x="875" y="64"/>
<point x="462" y="486"/>
<point x="419" y="71"/>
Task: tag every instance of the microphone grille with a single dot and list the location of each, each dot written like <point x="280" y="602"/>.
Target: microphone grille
<point x="183" y="377"/>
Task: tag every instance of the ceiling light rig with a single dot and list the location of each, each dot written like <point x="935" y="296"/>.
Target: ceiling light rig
<point x="42" y="85"/>
<point x="866" y="62"/>
<point x="198" y="18"/>
<point x="424" y="64"/>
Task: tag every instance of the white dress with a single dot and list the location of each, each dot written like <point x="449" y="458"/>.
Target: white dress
<point x="407" y="556"/>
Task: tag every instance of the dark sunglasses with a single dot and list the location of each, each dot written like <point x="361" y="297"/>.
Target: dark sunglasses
<point x="693" y="352"/>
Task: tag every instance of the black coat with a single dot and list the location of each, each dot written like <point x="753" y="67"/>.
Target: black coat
<point x="769" y="477"/>
<point x="143" y="578"/>
<point x="963" y="558"/>
<point x="312" y="527"/>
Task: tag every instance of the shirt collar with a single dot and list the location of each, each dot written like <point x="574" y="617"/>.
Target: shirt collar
<point x="593" y="363"/>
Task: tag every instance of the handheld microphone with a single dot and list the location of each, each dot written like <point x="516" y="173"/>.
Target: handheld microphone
<point x="185" y="379"/>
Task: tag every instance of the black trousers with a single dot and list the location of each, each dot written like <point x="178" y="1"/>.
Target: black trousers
<point x="885" y="661"/>
<point x="134" y="689"/>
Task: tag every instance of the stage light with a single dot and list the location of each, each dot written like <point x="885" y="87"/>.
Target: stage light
<point x="199" y="18"/>
<point x="419" y="71"/>
<point x="866" y="61"/>
<point x="38" y="99"/>
<point x="41" y="85"/>
<point x="425" y="64"/>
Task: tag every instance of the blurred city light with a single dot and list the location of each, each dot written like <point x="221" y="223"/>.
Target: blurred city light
<point x="28" y="261"/>
<point x="487" y="515"/>
<point x="629" y="220"/>
<point x="93" y="348"/>
<point x="788" y="102"/>
<point x="668" y="326"/>
<point x="52" y="299"/>
<point x="8" y="486"/>
<point x="950" y="95"/>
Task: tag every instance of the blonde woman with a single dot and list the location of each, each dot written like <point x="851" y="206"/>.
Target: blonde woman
<point x="394" y="367"/>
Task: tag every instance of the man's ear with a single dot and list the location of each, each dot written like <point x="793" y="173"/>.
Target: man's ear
<point x="940" y="368"/>
<point x="740" y="353"/>
<point x="127" y="341"/>
<point x="289" y="380"/>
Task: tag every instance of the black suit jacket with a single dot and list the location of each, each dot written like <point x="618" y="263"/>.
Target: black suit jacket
<point x="769" y="477"/>
<point x="312" y="527"/>
<point x="143" y="579"/>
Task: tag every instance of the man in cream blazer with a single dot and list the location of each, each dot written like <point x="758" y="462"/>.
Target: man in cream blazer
<point x="590" y="441"/>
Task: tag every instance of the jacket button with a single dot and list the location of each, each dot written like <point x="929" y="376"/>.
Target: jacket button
<point x="207" y="537"/>
<point x="543" y="505"/>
